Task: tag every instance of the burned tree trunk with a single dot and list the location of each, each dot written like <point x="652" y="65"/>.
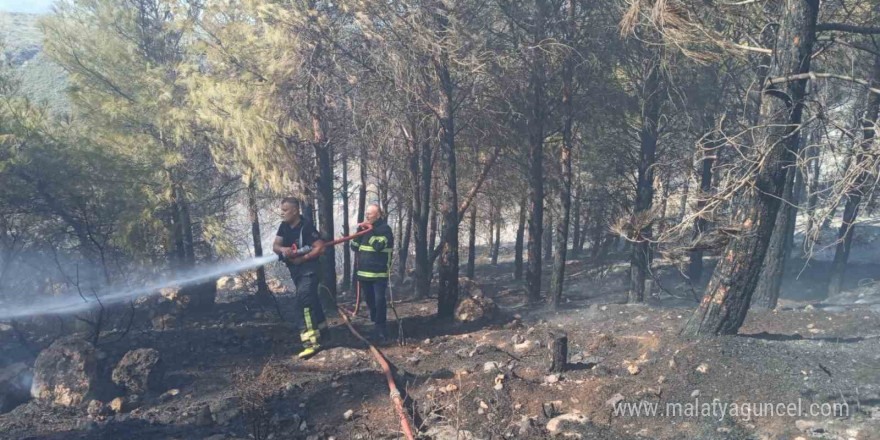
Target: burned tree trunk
<point x="472" y="243"/>
<point x="796" y="197"/>
<point x="856" y="193"/>
<point x="640" y="261"/>
<point x="324" y="154"/>
<point x="537" y="115"/>
<point x="403" y="253"/>
<point x="812" y="181"/>
<point x="447" y="271"/>
<point x="562" y="225"/>
<point x="421" y="168"/>
<point x="346" y="247"/>
<point x="770" y="282"/>
<point x="558" y="353"/>
<point x="254" y="216"/>
<point x="490" y="241"/>
<point x="548" y="229"/>
<point x="362" y="191"/>
<point x="726" y="302"/>
<point x="518" y="243"/>
<point x="708" y="153"/>
<point x="576" y="238"/>
<point x="497" y="243"/>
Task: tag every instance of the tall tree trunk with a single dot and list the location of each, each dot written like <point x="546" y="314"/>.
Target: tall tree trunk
<point x="434" y="211"/>
<point x="178" y="256"/>
<point x="769" y="284"/>
<point x="497" y="244"/>
<point x="576" y="233"/>
<point x="472" y="243"/>
<point x="421" y="170"/>
<point x="664" y="201"/>
<point x="855" y="194"/>
<point x="324" y="154"/>
<point x="490" y="240"/>
<point x="548" y="230"/>
<point x="346" y="246"/>
<point x="562" y="225"/>
<point x="726" y="302"/>
<point x="796" y="198"/>
<point x="708" y="154"/>
<point x="518" y="243"/>
<point x="188" y="241"/>
<point x="447" y="270"/>
<point x="362" y="191"/>
<point x="813" y="173"/>
<point x="403" y="254"/>
<point x="682" y="205"/>
<point x="537" y="82"/>
<point x="254" y="216"/>
<point x="640" y="261"/>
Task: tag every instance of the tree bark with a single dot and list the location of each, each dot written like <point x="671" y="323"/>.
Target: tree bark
<point x="536" y="155"/>
<point x="447" y="271"/>
<point x="640" y="261"/>
<point x="490" y="241"/>
<point x="708" y="153"/>
<point x="403" y="254"/>
<point x="576" y="233"/>
<point x="472" y="243"/>
<point x="497" y="244"/>
<point x="421" y="169"/>
<point x="548" y="228"/>
<point x="324" y="154"/>
<point x="254" y="216"/>
<point x="562" y="225"/>
<point x="770" y="281"/>
<point x="362" y="191"/>
<point x="518" y="243"/>
<point x="797" y="197"/>
<point x="855" y="194"/>
<point x="813" y="170"/>
<point x="346" y="246"/>
<point x="558" y="353"/>
<point x="726" y="302"/>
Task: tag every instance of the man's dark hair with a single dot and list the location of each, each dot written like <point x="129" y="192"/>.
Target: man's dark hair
<point x="291" y="200"/>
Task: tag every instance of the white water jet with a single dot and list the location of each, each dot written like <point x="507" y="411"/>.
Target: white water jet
<point x="74" y="303"/>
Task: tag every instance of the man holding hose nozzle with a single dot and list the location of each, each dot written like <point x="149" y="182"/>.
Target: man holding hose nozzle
<point x="373" y="266"/>
<point x="298" y="244"/>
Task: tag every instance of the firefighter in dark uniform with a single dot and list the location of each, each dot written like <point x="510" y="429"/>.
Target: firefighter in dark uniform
<point x="296" y="233"/>
<point x="374" y="265"/>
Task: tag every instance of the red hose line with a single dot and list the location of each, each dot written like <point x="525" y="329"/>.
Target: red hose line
<point x="396" y="397"/>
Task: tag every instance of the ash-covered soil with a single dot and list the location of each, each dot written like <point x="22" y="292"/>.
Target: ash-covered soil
<point x="233" y="374"/>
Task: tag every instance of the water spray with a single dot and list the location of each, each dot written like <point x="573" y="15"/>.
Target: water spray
<point x="75" y="304"/>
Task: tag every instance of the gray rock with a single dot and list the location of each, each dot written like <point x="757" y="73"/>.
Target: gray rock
<point x="96" y="409"/>
<point x="614" y="400"/>
<point x="446" y="432"/>
<point x="140" y="371"/>
<point x="491" y="366"/>
<point x="569" y="425"/>
<point x="65" y="373"/>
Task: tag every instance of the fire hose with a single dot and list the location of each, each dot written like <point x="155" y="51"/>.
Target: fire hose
<point x="396" y="396"/>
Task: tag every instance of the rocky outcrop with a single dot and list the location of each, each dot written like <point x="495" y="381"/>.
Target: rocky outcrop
<point x="65" y="373"/>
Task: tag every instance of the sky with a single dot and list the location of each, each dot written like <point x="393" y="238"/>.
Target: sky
<point x="32" y="6"/>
